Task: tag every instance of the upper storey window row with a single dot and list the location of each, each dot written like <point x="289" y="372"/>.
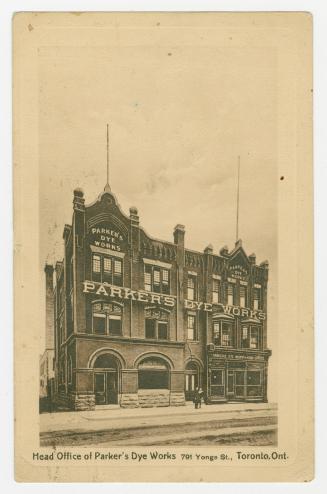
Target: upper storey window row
<point x="107" y="269"/>
<point x="156" y="279"/>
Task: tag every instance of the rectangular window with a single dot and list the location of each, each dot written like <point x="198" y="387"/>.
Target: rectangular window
<point x="230" y="294"/>
<point x="156" y="279"/>
<point x="99" y="323"/>
<point x="114" y="325"/>
<point x="254" y="378"/>
<point x="257" y="299"/>
<point x="107" y="269"/>
<point x="254" y="338"/>
<point x="215" y="291"/>
<point x="162" y="331"/>
<point x="148" y="278"/>
<point x="191" y="280"/>
<point x="165" y="280"/>
<point x="226" y="334"/>
<point x="150" y="328"/>
<point x="96" y="264"/>
<point x="217" y="386"/>
<point x="191" y="327"/>
<point x="216" y="333"/>
<point x="242" y="296"/>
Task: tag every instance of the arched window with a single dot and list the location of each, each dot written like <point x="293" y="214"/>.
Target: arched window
<point x="153" y="373"/>
<point x="107" y="318"/>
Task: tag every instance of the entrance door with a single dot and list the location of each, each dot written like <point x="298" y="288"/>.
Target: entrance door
<point x="230" y="385"/>
<point x="112" y="395"/>
<point x="100" y="388"/>
<point x="105" y="388"/>
<point x="191" y="383"/>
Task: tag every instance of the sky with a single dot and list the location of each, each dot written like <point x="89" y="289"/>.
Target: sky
<point x="179" y="117"/>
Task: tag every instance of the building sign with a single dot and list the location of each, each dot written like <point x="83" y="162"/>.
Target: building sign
<point x="107" y="290"/>
<point x="217" y="358"/>
<point x="229" y="310"/>
<point x="106" y="237"/>
<point x="238" y="271"/>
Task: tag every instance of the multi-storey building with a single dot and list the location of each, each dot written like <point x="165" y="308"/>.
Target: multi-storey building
<point x="143" y="322"/>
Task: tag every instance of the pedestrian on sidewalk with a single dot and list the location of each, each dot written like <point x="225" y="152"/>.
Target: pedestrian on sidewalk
<point x="197" y="398"/>
<point x="201" y="396"/>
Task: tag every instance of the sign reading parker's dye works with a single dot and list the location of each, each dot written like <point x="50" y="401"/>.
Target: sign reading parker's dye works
<point x="107" y="290"/>
<point x="106" y="237"/>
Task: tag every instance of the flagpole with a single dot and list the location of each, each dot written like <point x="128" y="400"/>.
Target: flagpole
<point x="238" y="195"/>
<point x="107" y="154"/>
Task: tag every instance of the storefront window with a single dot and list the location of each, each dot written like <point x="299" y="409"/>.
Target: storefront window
<point x="107" y="319"/>
<point x="217" y="384"/>
<point x="156" y="324"/>
<point x="153" y="373"/>
<point x="254" y="385"/>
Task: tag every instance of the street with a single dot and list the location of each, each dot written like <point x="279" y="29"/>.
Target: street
<point x="227" y="424"/>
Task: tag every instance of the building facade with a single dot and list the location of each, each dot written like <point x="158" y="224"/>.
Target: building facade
<point x="46" y="362"/>
<point x="142" y="322"/>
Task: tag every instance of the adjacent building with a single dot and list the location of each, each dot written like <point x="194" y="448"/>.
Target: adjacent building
<point x="142" y="322"/>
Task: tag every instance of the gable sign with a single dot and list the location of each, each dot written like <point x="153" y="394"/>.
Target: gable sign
<point x="107" y="236"/>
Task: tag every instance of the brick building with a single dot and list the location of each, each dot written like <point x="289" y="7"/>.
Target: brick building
<point x="143" y="322"/>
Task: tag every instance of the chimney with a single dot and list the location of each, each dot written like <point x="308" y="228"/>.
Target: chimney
<point x="224" y="251"/>
<point x="79" y="201"/>
<point x="252" y="258"/>
<point x="238" y="243"/>
<point x="49" y="307"/>
<point x="179" y="234"/>
<point x="133" y="216"/>
<point x="208" y="249"/>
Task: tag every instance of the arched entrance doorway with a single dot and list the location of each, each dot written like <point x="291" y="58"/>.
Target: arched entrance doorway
<point x="106" y="383"/>
<point x="192" y="379"/>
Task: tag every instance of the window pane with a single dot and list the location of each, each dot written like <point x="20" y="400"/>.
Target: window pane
<point x="230" y="294"/>
<point x="217" y="377"/>
<point x="216" y="333"/>
<point x="190" y="293"/>
<point x="147" y="282"/>
<point x="150" y="328"/>
<point x="165" y="276"/>
<point x="253" y="377"/>
<point x="96" y="264"/>
<point x="242" y="296"/>
<point x="162" y="331"/>
<point x="115" y="325"/>
<point x="107" y="264"/>
<point x="254" y="338"/>
<point x="153" y="379"/>
<point x="99" y="323"/>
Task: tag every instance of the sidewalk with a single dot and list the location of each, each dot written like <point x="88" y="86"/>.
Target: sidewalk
<point x="120" y="418"/>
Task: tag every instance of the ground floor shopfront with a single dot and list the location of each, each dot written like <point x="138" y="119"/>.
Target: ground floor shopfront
<point x="237" y="375"/>
<point x="133" y="374"/>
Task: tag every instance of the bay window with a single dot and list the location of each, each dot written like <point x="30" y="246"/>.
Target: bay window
<point x="223" y="333"/>
<point x="251" y="336"/>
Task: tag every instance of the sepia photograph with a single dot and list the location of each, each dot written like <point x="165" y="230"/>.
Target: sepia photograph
<point x="160" y="186"/>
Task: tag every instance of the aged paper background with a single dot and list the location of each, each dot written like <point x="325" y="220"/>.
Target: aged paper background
<point x="116" y="65"/>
